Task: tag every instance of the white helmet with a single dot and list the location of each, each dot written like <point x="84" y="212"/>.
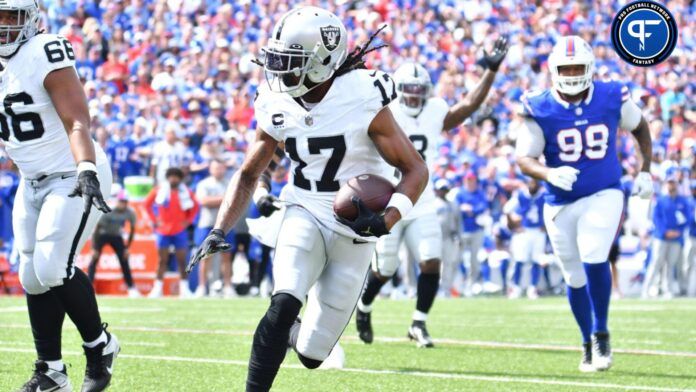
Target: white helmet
<point x="413" y="86"/>
<point x="571" y="50"/>
<point x="26" y="27"/>
<point x="307" y="42"/>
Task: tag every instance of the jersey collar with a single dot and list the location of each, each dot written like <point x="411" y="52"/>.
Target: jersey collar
<point x="567" y="104"/>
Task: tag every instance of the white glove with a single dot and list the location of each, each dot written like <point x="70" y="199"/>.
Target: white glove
<point x="563" y="177"/>
<point x="643" y="185"/>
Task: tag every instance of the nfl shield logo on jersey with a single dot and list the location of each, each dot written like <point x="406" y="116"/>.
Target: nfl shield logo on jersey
<point x="330" y="36"/>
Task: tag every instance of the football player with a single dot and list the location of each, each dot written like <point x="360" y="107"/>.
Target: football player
<point x="423" y="118"/>
<point x="574" y="126"/>
<point x="45" y="124"/>
<point x="525" y="213"/>
<point x="333" y="118"/>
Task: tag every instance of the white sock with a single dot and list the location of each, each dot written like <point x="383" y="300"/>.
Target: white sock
<point x="419" y="316"/>
<point x="93" y="344"/>
<point x="56" y="365"/>
<point x="364" y="308"/>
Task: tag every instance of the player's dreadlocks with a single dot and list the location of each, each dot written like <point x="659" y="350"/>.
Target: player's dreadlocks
<point x="355" y="58"/>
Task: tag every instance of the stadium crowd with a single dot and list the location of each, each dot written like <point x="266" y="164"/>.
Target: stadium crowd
<point x="171" y="84"/>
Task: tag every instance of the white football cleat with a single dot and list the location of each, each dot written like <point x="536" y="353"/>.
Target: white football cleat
<point x="586" y="361"/>
<point x="134" y="293"/>
<point x="229" y="292"/>
<point x="515" y="292"/>
<point x="335" y="360"/>
<point x="532" y="292"/>
<point x="156" y="291"/>
<point x="601" y="351"/>
<point x="184" y="291"/>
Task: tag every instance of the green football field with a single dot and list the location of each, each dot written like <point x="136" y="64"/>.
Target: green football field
<point x="481" y="344"/>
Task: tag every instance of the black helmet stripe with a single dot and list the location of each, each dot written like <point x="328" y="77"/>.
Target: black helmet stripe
<point x="281" y="23"/>
<point x="415" y="70"/>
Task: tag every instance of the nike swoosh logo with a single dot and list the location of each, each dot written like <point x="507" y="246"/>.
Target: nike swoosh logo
<point x="38" y="389"/>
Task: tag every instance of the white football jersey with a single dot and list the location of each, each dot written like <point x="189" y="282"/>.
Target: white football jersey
<point x="329" y="144"/>
<point x="34" y="135"/>
<point x="424" y="131"/>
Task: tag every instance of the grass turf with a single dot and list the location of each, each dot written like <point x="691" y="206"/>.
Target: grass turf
<point x="481" y="344"/>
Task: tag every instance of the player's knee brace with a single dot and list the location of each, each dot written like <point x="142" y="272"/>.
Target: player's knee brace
<point x="309" y="363"/>
<point x="283" y="310"/>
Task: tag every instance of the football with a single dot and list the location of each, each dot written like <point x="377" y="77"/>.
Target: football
<point x="373" y="190"/>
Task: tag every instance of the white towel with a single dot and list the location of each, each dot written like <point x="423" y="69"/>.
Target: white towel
<point x="165" y="190"/>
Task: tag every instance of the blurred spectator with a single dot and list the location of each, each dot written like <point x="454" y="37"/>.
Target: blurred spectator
<point x="525" y="214"/>
<point x="671" y="218"/>
<point x="688" y="282"/>
<point x="449" y="217"/>
<point x="109" y="232"/>
<point x="210" y="193"/>
<point x="169" y="153"/>
<point x="172" y="206"/>
<point x="472" y="205"/>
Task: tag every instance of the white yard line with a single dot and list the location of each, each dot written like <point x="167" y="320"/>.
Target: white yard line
<point x="456" y="342"/>
<point x="455" y="376"/>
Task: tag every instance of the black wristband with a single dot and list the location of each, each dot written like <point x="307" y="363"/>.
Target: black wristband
<point x="218" y="232"/>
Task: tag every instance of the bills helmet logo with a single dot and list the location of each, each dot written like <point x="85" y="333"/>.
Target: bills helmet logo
<point x="330" y="36"/>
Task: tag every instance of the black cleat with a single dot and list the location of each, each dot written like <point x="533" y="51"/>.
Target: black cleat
<point x="364" y="323"/>
<point x="47" y="380"/>
<point x="601" y="351"/>
<point x="420" y="334"/>
<point x="100" y="364"/>
<point x="586" y="361"/>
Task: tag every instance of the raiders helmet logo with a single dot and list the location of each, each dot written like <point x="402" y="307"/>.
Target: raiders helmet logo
<point x="330" y="36"/>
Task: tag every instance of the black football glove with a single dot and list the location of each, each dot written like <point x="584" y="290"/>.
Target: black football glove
<point x="267" y="205"/>
<point x="492" y="60"/>
<point x="368" y="223"/>
<point x="88" y="188"/>
<point x="213" y="243"/>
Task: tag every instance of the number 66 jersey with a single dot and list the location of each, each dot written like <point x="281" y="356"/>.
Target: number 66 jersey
<point x="34" y="135"/>
<point x="328" y="144"/>
<point x="581" y="135"/>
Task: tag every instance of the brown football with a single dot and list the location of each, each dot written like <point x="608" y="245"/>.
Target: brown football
<point x="373" y="190"/>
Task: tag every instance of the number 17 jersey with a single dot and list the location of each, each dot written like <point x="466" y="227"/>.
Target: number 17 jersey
<point x="582" y="136"/>
<point x="329" y="144"/>
<point x="33" y="133"/>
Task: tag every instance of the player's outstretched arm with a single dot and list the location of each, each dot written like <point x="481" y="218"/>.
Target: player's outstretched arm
<point x="68" y="98"/>
<point x="473" y="100"/>
<point x="398" y="151"/>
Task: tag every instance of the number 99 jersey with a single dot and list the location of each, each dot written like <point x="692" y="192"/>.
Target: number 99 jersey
<point x="34" y="135"/>
<point x="329" y="144"/>
<point x="582" y="136"/>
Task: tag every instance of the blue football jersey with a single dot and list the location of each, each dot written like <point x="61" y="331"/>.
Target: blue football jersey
<point x="531" y="209"/>
<point x="582" y="136"/>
